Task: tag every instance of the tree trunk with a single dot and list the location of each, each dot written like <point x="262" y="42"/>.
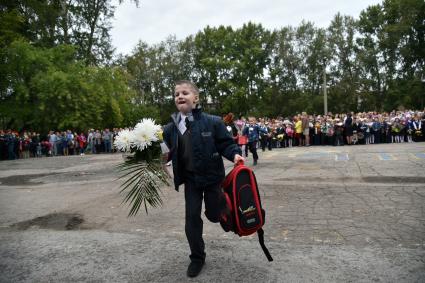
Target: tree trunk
<point x="92" y="24"/>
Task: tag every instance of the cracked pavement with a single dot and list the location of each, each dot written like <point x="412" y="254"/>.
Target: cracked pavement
<point x="351" y="214"/>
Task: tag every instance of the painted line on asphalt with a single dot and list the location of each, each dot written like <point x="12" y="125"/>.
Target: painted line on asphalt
<point x="316" y="153"/>
<point x="342" y="157"/>
<point x="413" y="156"/>
<point x="386" y="156"/>
<point x="420" y="155"/>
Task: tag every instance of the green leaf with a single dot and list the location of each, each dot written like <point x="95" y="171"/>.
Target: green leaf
<point x="142" y="184"/>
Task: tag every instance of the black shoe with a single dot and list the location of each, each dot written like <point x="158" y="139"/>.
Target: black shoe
<point x="194" y="268"/>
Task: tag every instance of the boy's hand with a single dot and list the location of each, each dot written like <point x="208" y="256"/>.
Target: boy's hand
<point x="238" y="158"/>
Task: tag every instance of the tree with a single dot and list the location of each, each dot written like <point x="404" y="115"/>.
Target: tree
<point x="391" y="53"/>
<point x="84" y="24"/>
<point x="52" y="89"/>
<point x="344" y="69"/>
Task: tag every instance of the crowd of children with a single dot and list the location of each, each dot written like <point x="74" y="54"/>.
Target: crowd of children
<point x="335" y="130"/>
<point x="14" y="145"/>
<point x="250" y="134"/>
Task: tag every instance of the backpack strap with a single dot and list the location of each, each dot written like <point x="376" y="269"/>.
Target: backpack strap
<point x="260" y="233"/>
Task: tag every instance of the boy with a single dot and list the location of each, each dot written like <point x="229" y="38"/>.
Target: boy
<point x="252" y="131"/>
<point x="197" y="142"/>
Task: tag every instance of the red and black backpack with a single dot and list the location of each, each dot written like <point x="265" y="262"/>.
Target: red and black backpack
<point x="244" y="214"/>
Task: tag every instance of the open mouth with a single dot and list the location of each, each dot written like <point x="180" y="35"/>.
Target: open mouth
<point x="181" y="102"/>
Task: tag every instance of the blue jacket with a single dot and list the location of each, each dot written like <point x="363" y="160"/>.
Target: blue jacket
<point x="252" y="132"/>
<point x="376" y="126"/>
<point x="410" y="125"/>
<point x="210" y="141"/>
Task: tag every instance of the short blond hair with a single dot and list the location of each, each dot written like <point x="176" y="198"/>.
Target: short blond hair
<point x="252" y="118"/>
<point x="190" y="84"/>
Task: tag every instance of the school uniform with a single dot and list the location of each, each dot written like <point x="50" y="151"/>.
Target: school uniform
<point x="417" y="130"/>
<point x="376" y="131"/>
<point x="197" y="143"/>
<point x="264" y="131"/>
<point x="253" y="133"/>
<point x="280" y="134"/>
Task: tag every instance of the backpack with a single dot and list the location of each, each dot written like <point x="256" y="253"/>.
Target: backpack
<point x="244" y="214"/>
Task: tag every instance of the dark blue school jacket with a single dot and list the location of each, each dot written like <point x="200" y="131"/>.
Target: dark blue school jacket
<point x="210" y="141"/>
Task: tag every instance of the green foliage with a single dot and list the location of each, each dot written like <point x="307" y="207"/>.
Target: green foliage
<point x="143" y="177"/>
<point x="391" y="53"/>
<point x="373" y="63"/>
<point x="56" y="70"/>
<point x="83" y="24"/>
<point x="51" y="89"/>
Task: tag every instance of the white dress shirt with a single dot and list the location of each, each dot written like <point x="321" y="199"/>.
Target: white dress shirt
<point x="182" y="123"/>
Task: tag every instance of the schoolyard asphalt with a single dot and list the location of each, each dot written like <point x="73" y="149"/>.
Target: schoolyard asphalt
<point x="333" y="214"/>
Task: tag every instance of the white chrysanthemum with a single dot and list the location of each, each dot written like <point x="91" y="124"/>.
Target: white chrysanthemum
<point x="124" y="140"/>
<point x="145" y="133"/>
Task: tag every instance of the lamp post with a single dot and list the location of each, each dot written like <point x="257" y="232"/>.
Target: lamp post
<point x="422" y="96"/>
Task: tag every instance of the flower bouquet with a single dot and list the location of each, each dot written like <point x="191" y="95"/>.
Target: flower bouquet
<point x="142" y="167"/>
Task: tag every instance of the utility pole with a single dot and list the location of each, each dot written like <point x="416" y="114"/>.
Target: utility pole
<point x="325" y="95"/>
<point x="422" y="96"/>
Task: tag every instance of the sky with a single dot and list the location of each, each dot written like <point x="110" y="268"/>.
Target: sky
<point x="154" y="20"/>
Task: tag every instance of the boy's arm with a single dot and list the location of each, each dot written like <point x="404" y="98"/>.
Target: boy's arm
<point x="224" y="141"/>
<point x="167" y="140"/>
<point x="166" y="135"/>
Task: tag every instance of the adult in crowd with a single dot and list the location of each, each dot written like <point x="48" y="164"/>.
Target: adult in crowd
<point x="52" y="140"/>
<point x="348" y="127"/>
<point x="107" y="140"/>
<point x="305" y="124"/>
<point x="98" y="141"/>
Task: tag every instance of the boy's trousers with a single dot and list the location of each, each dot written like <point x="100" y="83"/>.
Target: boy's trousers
<point x="253" y="148"/>
<point x="214" y="205"/>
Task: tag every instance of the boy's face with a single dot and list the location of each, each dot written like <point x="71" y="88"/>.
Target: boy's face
<point x="185" y="98"/>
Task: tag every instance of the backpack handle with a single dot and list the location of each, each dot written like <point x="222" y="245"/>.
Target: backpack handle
<point x="239" y="163"/>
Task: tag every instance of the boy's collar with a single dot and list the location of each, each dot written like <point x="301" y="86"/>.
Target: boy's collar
<point x="183" y="115"/>
<point x="196" y="112"/>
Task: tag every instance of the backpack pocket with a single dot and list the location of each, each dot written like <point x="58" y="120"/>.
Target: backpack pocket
<point x="248" y="212"/>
